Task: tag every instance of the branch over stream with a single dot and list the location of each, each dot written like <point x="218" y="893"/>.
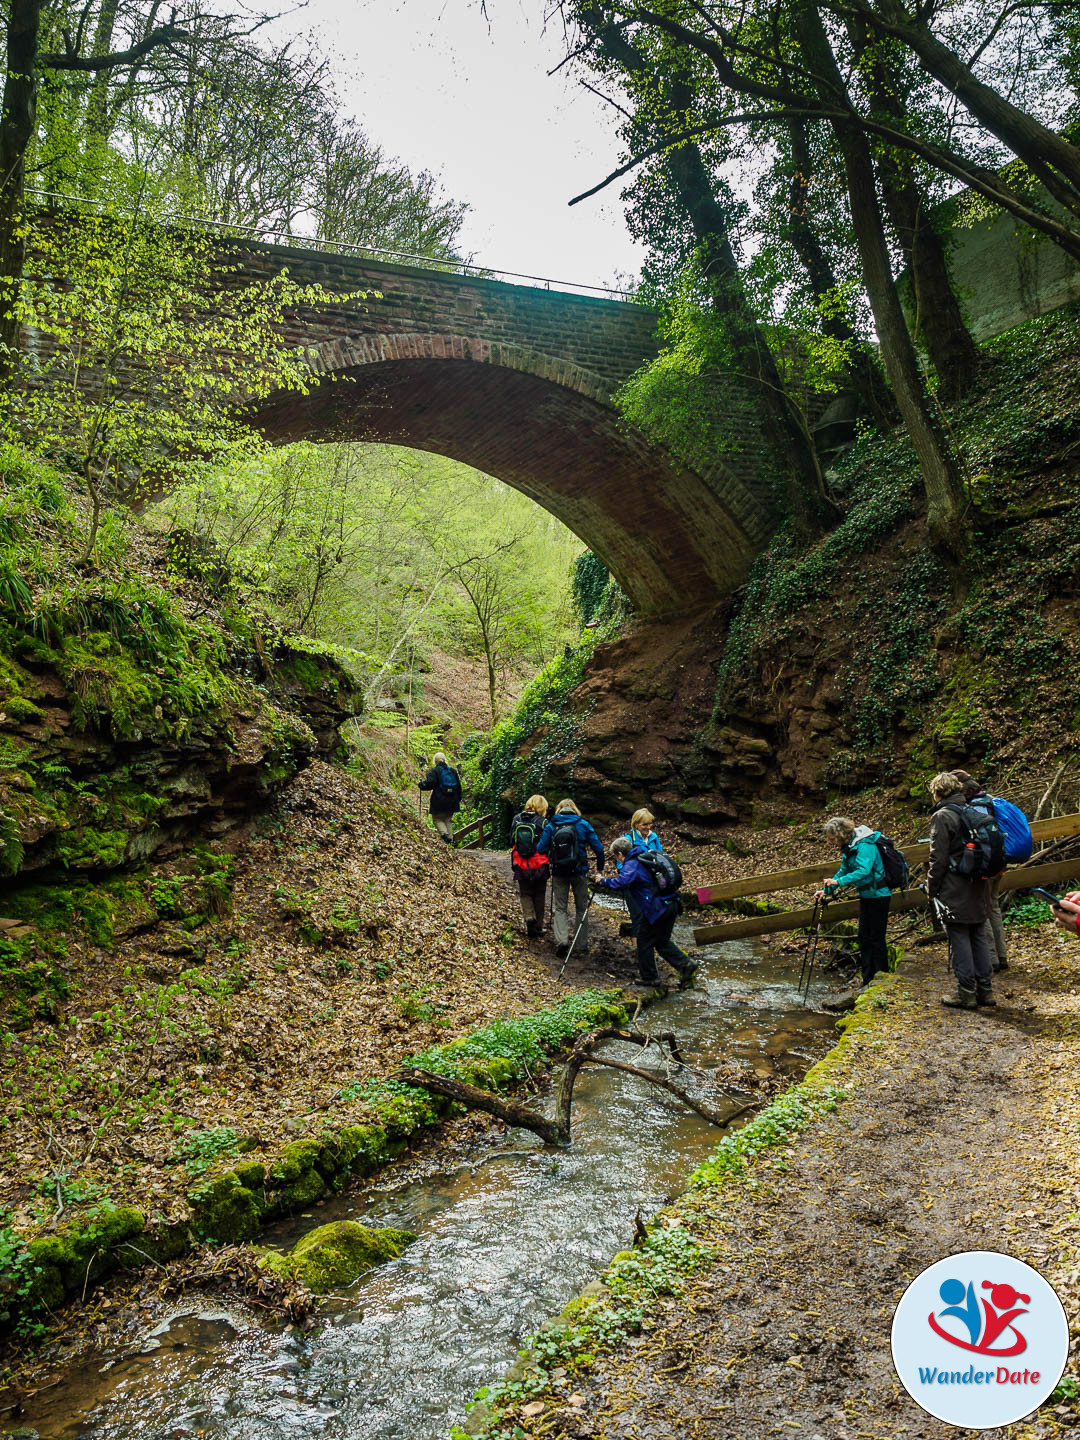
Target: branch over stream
<point x="556" y="1131"/>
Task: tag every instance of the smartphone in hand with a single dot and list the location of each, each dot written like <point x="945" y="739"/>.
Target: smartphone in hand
<point x="1055" y="900"/>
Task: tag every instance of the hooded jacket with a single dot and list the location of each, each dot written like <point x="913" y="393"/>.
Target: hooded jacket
<point x="861" y="866"/>
<point x="639" y="882"/>
<point x="959" y="899"/>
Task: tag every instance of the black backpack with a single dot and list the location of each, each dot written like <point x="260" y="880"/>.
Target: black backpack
<point x="981" y="852"/>
<point x="897" y="873"/>
<point x="449" y="786"/>
<point x="566" y="850"/>
<point x="665" y="873"/>
<point x="523" y="834"/>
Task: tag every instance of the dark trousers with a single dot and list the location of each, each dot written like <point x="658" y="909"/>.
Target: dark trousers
<point x="970" y="955"/>
<point x="634" y="910"/>
<point x="654" y="938"/>
<point x="873" y="927"/>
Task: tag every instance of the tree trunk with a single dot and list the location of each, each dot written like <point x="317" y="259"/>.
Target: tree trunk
<point x="938" y="317"/>
<point x="1025" y="136"/>
<point x="16" y="129"/>
<point x="785" y="427"/>
<point x="941" y="475"/>
<point x="863" y="372"/>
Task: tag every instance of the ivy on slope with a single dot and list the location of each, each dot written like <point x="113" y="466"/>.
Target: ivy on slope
<point x="916" y="660"/>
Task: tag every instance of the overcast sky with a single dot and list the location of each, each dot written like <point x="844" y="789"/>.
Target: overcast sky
<point x="437" y="85"/>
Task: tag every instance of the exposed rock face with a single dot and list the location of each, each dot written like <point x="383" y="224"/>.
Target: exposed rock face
<point x="91" y="786"/>
<point x="645" y="700"/>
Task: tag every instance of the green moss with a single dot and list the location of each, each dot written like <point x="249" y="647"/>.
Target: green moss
<point x="339" y="1253"/>
<point x="18" y="709"/>
<point x="224" y="1210"/>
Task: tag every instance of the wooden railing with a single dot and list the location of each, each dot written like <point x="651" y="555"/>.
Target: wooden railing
<point x="1022" y="877"/>
<point x="482" y="829"/>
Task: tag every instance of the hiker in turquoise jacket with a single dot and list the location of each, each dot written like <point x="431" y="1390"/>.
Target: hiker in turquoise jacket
<point x="862" y="870"/>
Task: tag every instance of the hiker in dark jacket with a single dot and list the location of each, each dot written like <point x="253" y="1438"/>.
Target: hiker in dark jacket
<point x="530" y="869"/>
<point x="962" y="902"/>
<point x="445" y="786"/>
<point x="862" y="870"/>
<point x="658" y="914"/>
<point x="641" y="833"/>
<point x="571" y="874"/>
<point x="974" y="794"/>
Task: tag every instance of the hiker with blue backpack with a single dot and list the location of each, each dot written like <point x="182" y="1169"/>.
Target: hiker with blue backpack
<point x="873" y="867"/>
<point x="641" y="833"/>
<point x="1019" y="845"/>
<point x="967" y="849"/>
<point x="567" y="839"/>
<point x="654" y="879"/>
<point x="530" y="869"/>
<point x="445" y="786"/>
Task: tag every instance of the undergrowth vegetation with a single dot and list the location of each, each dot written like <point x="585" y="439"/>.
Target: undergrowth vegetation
<point x="911" y="655"/>
<point x="513" y="762"/>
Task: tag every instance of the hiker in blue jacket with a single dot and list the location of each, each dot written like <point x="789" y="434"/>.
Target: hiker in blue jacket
<point x="641" y="833"/>
<point x="658" y="914"/>
<point x="567" y="839"/>
<point x="863" y="870"/>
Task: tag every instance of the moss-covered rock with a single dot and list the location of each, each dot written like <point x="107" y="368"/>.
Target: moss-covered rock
<point x="337" y="1254"/>
<point x="225" y="1210"/>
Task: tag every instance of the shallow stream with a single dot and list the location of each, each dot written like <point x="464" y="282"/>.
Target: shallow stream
<point x="505" y="1240"/>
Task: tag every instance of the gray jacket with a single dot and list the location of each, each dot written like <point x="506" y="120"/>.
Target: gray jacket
<point x="959" y="901"/>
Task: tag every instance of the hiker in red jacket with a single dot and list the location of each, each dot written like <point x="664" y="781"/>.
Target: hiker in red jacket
<point x="530" y="869"/>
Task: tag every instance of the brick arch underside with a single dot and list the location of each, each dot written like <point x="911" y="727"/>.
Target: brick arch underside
<point x="674" y="540"/>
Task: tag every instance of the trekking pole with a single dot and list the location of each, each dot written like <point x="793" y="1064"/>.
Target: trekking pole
<point x="814" y="920"/>
<point x="813" y="952"/>
<point x="577" y="932"/>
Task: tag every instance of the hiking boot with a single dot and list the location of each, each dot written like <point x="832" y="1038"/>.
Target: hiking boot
<point x="561" y="952"/>
<point x="649" y="980"/>
<point x="960" y="999"/>
<point x="984" y="994"/>
<point x="686" y="977"/>
<point x="532" y="930"/>
<point x="1000" y="965"/>
<point x="626" y="930"/>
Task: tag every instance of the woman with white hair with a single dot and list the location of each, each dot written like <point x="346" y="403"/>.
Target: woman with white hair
<point x="445" y="786"/>
<point x="863" y="870"/>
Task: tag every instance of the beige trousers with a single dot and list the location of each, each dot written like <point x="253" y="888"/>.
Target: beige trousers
<point x="561" y="885"/>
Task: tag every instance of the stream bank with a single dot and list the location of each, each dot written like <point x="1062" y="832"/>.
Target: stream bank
<point x="507" y="1230"/>
<point x="955" y="1132"/>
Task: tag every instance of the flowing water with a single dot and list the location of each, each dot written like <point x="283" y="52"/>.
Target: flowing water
<point x="505" y="1241"/>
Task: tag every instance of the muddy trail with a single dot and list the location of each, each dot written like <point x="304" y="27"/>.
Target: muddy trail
<point x="509" y="1231"/>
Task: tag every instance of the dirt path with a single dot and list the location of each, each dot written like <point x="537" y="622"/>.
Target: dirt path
<point x="960" y="1133"/>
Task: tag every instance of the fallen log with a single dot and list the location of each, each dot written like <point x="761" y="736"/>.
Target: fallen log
<point x="705" y="1111"/>
<point x="556" y="1131"/>
<point x="512" y="1111"/>
<point x="1055" y="829"/>
<point x="1020" y="878"/>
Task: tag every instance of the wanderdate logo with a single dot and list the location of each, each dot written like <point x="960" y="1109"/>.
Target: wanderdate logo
<point x="996" y="1309"/>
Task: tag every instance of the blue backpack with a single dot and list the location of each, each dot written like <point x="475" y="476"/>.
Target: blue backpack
<point x="1013" y="823"/>
<point x="449" y="786"/>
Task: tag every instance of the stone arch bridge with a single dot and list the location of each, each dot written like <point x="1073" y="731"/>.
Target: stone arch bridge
<point x="517" y="381"/>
